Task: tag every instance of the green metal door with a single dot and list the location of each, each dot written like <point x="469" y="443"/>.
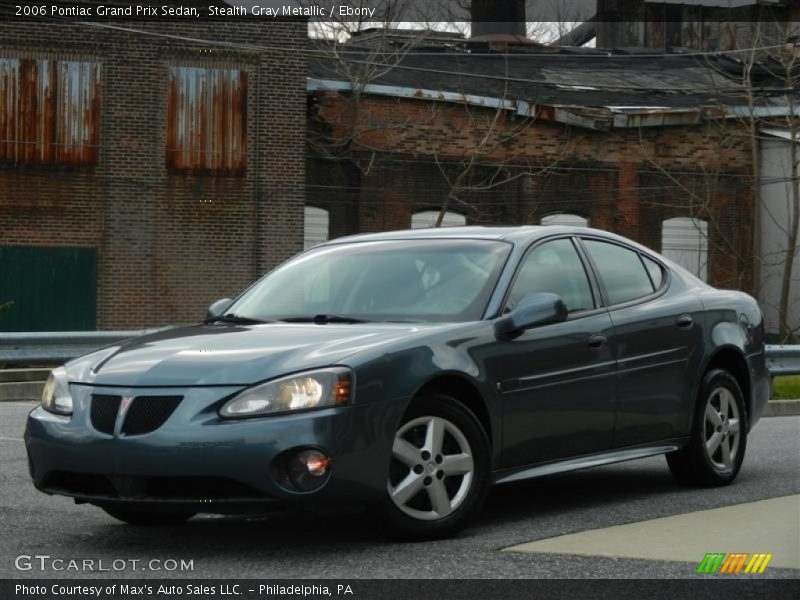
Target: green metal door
<point x="52" y="289"/>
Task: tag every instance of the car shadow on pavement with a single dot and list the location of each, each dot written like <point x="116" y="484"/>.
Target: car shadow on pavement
<point x="508" y="507"/>
<point x="579" y="490"/>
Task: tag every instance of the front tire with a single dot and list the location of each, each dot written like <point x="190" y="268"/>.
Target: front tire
<point x="719" y="434"/>
<point x="440" y="468"/>
<point x="147" y="518"/>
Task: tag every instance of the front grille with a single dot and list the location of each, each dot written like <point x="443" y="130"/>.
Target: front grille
<point x="103" y="412"/>
<point x="148" y="413"/>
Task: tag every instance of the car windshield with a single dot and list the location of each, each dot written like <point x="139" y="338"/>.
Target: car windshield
<point x="397" y="280"/>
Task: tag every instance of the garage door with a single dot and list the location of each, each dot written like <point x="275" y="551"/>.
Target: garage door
<point x="52" y="289"/>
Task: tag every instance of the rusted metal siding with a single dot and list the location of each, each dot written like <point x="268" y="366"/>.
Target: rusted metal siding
<point x="49" y="111"/>
<point x="207" y="119"/>
<point x="9" y="84"/>
<point x="78" y="118"/>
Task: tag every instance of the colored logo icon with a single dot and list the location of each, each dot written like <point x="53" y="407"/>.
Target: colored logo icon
<point x="735" y="563"/>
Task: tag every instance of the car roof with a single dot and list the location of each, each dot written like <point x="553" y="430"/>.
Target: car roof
<point x="515" y="234"/>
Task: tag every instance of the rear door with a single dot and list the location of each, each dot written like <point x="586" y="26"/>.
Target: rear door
<point x="657" y="335"/>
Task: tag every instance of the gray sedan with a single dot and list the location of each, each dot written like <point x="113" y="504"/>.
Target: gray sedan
<point x="406" y="373"/>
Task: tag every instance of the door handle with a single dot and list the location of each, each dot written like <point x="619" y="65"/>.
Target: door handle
<point x="684" y="321"/>
<point x="598" y="340"/>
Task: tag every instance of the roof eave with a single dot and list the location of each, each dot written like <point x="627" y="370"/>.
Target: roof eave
<point x="602" y="118"/>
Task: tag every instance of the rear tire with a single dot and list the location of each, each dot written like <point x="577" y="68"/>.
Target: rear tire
<point x="148" y="518"/>
<point x="440" y="470"/>
<point x="719" y="434"/>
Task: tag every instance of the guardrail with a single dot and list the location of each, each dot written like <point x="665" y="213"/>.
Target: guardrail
<point x="783" y="360"/>
<point x="36" y="348"/>
<point x="55" y="347"/>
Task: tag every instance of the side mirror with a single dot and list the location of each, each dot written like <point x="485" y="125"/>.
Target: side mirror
<point x="218" y="308"/>
<point x="541" y="308"/>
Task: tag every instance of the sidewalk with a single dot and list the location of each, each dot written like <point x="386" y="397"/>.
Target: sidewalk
<point x="767" y="526"/>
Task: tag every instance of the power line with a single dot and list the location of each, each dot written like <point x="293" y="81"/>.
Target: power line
<point x="389" y="66"/>
<point x="361" y="50"/>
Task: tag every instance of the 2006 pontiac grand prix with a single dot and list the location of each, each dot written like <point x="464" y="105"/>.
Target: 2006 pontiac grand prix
<point x="408" y="372"/>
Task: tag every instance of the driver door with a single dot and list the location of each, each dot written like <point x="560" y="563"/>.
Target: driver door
<point x="557" y="382"/>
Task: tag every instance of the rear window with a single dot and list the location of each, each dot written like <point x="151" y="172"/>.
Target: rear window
<point x="655" y="271"/>
<point x="621" y="270"/>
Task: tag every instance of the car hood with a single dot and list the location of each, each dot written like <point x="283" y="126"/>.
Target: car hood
<point x="225" y="354"/>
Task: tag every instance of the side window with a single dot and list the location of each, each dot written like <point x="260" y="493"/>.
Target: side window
<point x="554" y="267"/>
<point x="655" y="271"/>
<point x="621" y="270"/>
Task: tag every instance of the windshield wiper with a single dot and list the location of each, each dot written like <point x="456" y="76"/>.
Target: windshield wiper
<point x="322" y="319"/>
<point x="237" y="319"/>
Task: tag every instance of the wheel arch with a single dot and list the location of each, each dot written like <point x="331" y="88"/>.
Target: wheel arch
<point x="731" y="359"/>
<point x="462" y="389"/>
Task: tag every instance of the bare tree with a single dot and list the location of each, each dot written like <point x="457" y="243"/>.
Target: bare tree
<point x="789" y="73"/>
<point x="548" y="20"/>
<point x="486" y="164"/>
<point x="770" y="78"/>
<point x="766" y="74"/>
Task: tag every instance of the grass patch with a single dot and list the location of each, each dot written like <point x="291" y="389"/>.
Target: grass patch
<point x="786" y="388"/>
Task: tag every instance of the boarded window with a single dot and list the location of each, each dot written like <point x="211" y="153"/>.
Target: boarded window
<point x="685" y="241"/>
<point x="207" y="119"/>
<point x="316" y="226"/>
<point x="427" y="218"/>
<point x="565" y="219"/>
<point x="49" y="111"/>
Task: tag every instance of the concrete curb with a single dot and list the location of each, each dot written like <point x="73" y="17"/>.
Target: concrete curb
<point x="782" y="408"/>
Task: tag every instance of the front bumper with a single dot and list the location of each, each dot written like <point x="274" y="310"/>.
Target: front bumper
<point x="196" y="458"/>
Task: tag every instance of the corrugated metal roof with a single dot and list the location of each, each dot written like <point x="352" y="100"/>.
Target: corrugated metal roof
<point x="611" y="90"/>
<point x="562" y="78"/>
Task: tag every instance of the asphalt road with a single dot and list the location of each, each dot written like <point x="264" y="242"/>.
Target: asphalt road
<point x="296" y="545"/>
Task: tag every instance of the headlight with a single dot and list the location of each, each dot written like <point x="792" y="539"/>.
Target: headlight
<point x="302" y="391"/>
<point x="55" y="396"/>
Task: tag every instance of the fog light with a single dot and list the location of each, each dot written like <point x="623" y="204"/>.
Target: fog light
<point x="317" y="465"/>
<point x="309" y="469"/>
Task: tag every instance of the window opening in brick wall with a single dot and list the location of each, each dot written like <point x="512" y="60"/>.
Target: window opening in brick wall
<point x="317" y="226"/>
<point x="207" y="119"/>
<point x="684" y="240"/>
<point x="427" y="218"/>
<point x="565" y="219"/>
<point x="49" y="111"/>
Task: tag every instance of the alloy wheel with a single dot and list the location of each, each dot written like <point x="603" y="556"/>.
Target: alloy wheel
<point x="432" y="468"/>
<point x="722" y="429"/>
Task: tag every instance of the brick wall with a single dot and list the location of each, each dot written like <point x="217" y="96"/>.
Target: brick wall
<point x="168" y="242"/>
<point x="406" y="154"/>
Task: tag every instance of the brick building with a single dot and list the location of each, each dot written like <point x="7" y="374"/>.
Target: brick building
<point x="144" y="175"/>
<point x="643" y="144"/>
